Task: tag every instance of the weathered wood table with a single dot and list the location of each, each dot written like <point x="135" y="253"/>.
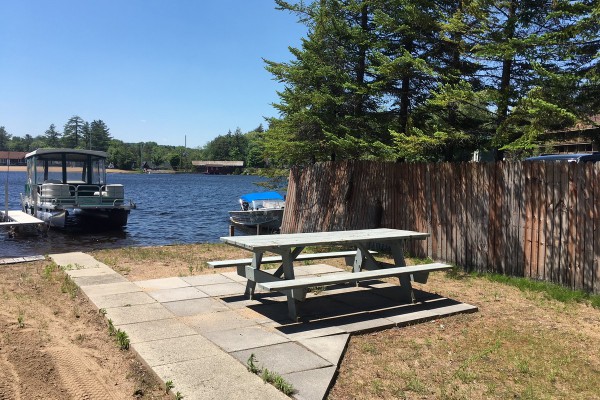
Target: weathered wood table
<point x="289" y="246"/>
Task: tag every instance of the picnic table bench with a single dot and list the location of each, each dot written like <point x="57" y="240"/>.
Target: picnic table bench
<point x="277" y="259"/>
<point x="290" y="246"/>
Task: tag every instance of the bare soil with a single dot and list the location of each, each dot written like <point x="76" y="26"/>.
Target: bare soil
<point x="519" y="345"/>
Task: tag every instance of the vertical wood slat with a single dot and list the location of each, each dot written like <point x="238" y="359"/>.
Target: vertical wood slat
<point x="521" y="219"/>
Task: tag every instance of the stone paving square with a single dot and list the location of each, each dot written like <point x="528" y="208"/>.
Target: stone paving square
<point x="209" y="279"/>
<point x="100" y="270"/>
<point x="331" y="348"/>
<point x="183" y="293"/>
<point x="314" y="383"/>
<point x="111" y="288"/>
<point x="155" y="330"/>
<point x="218" y="321"/>
<point x="249" y="337"/>
<point x="122" y="299"/>
<point x="297" y="358"/>
<point x="223" y="289"/>
<point x="171" y="350"/>
<point x="164" y="283"/>
<point x="137" y="313"/>
<point x="99" y="279"/>
<point x="185" y="308"/>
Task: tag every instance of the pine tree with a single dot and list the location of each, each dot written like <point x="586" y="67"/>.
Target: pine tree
<point x="72" y="133"/>
<point x="99" y="135"/>
<point x="52" y="137"/>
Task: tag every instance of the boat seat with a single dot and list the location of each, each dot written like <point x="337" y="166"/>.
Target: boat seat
<point x="52" y="181"/>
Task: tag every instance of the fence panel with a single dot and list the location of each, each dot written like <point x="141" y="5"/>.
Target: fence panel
<point x="523" y="219"/>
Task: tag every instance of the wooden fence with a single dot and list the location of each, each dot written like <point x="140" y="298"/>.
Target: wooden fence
<point x="538" y="220"/>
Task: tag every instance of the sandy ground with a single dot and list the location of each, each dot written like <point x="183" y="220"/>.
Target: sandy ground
<point x="55" y="345"/>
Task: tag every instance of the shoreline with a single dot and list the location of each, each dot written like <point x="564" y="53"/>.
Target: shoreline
<point x="23" y="168"/>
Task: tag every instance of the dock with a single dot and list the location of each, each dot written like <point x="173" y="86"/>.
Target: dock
<point x="18" y="218"/>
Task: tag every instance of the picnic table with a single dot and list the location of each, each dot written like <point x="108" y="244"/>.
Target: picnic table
<point x="290" y="246"/>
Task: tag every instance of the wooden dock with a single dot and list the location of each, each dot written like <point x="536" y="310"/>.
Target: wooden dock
<point x="18" y="218"/>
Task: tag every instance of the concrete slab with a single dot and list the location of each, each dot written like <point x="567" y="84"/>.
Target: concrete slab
<point x="223" y="289"/>
<point x="137" y="313"/>
<point x="77" y="260"/>
<point x="210" y="279"/>
<point x="99" y="279"/>
<point x="111" y="288"/>
<point x="184" y="293"/>
<point x="122" y="299"/>
<point x="156" y="330"/>
<point x="164" y="283"/>
<point x="218" y="321"/>
<point x="186" y="308"/>
<point x="316" y="269"/>
<point x="308" y="330"/>
<point x="283" y="358"/>
<point x="178" y="349"/>
<point x="330" y="348"/>
<point x="249" y="337"/>
<point x="312" y="384"/>
<point x="233" y="275"/>
<point x="216" y="378"/>
<point x="101" y="270"/>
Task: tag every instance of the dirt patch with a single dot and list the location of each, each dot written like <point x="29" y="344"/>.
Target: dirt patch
<point x="54" y="346"/>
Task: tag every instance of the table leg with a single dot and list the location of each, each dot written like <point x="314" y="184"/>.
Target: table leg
<point x="293" y="256"/>
<point x="287" y="266"/>
<point x="406" y="291"/>
<point x="251" y="284"/>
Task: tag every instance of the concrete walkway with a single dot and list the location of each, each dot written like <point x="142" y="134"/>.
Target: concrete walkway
<point x="199" y="331"/>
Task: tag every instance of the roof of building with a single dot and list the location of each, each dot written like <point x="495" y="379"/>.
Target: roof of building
<point x="13" y="155"/>
<point x="218" y="163"/>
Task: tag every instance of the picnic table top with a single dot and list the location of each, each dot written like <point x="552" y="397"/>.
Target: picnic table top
<point x="288" y="240"/>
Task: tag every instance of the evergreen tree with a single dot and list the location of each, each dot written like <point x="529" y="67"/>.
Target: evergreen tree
<point x="99" y="135"/>
<point x="72" y="133"/>
<point x="52" y="137"/>
<point x="4" y="138"/>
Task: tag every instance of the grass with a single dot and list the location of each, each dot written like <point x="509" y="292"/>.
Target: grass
<point x="550" y="290"/>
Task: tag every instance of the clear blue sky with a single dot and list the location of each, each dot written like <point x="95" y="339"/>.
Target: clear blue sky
<point x="152" y="70"/>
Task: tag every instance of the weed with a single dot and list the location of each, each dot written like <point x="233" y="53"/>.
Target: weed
<point x="21" y="319"/>
<point x="169" y="385"/>
<point x="414" y="384"/>
<point x="48" y="270"/>
<point x="80" y="337"/>
<point x="370" y="348"/>
<point x="122" y="339"/>
<point x="378" y="387"/>
<point x="69" y="287"/>
<point x="191" y="269"/>
<point x="269" y="376"/>
<point x="178" y="396"/>
<point x="250" y="363"/>
<point x="522" y="366"/>
<point x="316" y="289"/>
<point x="111" y="328"/>
<point x="102" y="311"/>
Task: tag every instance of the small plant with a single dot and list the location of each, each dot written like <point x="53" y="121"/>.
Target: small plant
<point x="69" y="287"/>
<point x="111" y="328"/>
<point x="269" y="376"/>
<point x="191" y="269"/>
<point x="169" y="385"/>
<point x="122" y="339"/>
<point x="21" y="319"/>
<point x="178" y="396"/>
<point x="102" y="311"/>
<point x="251" y="364"/>
<point x="48" y="270"/>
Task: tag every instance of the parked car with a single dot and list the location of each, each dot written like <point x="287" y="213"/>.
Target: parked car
<point x="576" y="157"/>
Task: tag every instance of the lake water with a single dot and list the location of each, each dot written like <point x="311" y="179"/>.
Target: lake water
<point x="171" y="208"/>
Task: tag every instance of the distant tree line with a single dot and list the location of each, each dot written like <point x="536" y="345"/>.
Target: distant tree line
<point x="77" y="133"/>
<point x="429" y="80"/>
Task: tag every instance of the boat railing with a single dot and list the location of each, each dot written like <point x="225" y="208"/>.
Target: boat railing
<point x="83" y="195"/>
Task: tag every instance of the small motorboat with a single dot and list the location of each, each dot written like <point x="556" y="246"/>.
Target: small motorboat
<point x="67" y="187"/>
<point x="262" y="210"/>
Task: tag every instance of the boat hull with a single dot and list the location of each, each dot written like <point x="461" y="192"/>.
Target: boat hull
<point x="264" y="218"/>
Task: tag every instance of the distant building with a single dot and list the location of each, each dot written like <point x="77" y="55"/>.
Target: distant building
<point x="12" y="158"/>
<point x="584" y="137"/>
<point x="150" y="166"/>
<point x="217" y="167"/>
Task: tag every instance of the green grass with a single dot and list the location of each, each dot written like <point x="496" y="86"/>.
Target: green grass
<point x="551" y="290"/>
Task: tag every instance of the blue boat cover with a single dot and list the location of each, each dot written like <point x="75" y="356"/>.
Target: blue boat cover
<point x="261" y="196"/>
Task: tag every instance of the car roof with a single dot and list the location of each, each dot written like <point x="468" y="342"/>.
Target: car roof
<point x="574" y="157"/>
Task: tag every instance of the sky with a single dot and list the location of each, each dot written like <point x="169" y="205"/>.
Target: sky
<point x="170" y="71"/>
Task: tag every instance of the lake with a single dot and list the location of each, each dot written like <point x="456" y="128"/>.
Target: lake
<point x="171" y="208"/>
